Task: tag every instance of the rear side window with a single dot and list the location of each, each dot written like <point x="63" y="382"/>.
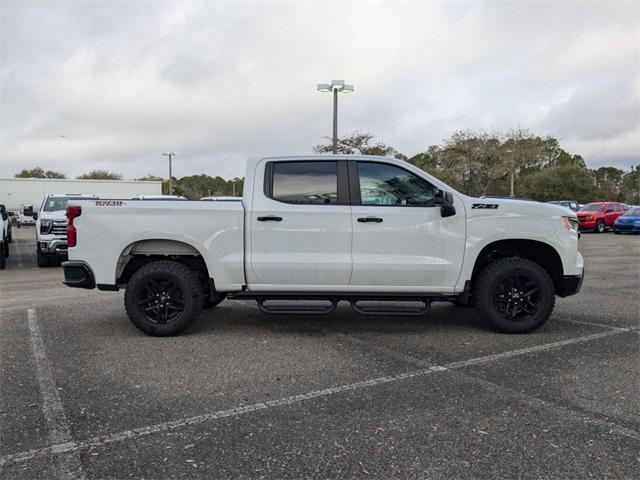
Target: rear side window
<point x="310" y="183"/>
<point x="611" y="208"/>
<point x="383" y="184"/>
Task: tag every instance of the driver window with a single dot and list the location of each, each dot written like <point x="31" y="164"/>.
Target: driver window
<point x="383" y="184"/>
<point x="610" y="208"/>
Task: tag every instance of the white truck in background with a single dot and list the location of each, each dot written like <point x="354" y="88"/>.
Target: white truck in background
<point x="51" y="228"/>
<point x="372" y="231"/>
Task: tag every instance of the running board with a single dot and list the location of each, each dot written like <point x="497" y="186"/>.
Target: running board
<point x="296" y="309"/>
<point x="392" y="310"/>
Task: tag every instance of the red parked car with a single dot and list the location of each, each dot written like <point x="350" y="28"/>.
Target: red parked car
<point x="599" y="216"/>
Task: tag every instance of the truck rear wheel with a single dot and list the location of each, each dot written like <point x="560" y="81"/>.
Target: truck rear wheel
<point x="163" y="298"/>
<point x="3" y="258"/>
<point x="514" y="295"/>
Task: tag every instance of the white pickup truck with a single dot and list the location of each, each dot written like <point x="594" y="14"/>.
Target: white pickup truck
<point x="376" y="232"/>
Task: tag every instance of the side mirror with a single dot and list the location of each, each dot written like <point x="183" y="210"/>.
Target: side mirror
<point x="35" y="216"/>
<point x="445" y="200"/>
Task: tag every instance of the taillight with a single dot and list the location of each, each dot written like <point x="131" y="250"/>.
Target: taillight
<point x="72" y="212"/>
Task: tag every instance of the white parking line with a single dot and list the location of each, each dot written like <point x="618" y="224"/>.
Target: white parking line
<point x="68" y="466"/>
<point x="532" y="400"/>
<point x="64" y="447"/>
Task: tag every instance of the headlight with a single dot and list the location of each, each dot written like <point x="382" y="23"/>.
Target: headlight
<point x="570" y="223"/>
<point x="45" y="226"/>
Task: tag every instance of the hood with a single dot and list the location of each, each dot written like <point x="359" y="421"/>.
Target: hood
<point x="57" y="215"/>
<point x="522" y="207"/>
<point x="627" y="218"/>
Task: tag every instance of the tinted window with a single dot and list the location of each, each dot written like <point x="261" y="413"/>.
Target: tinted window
<point x="632" y="212"/>
<point x="305" y="182"/>
<point x="382" y="184"/>
<point x="592" y="207"/>
<point x="611" y="208"/>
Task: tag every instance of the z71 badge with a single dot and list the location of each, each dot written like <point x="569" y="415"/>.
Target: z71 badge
<point x="109" y="203"/>
<point x="491" y="206"/>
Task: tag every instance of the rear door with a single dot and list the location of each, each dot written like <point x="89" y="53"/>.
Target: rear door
<point x="611" y="213"/>
<point x="400" y="240"/>
<point x="301" y="226"/>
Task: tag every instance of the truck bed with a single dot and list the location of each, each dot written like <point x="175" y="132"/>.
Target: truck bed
<point x="119" y="228"/>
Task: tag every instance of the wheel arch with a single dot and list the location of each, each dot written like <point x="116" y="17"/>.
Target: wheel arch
<point x="142" y="252"/>
<point x="537" y="251"/>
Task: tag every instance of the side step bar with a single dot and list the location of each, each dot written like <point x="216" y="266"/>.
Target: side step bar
<point x="391" y="310"/>
<point x="296" y="309"/>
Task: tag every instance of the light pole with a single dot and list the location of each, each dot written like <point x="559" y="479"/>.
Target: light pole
<point x="170" y="155"/>
<point x="335" y="86"/>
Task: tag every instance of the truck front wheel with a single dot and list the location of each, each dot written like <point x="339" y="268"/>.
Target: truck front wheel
<point x="514" y="295"/>
<point x="163" y="298"/>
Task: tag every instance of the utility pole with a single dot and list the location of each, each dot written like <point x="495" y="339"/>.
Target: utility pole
<point x="233" y="186"/>
<point x="170" y="155"/>
<point x="335" y="121"/>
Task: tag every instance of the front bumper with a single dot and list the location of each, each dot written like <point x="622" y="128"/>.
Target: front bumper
<point x="78" y="275"/>
<point x="570" y="285"/>
<point x="626" y="227"/>
<point x="57" y="246"/>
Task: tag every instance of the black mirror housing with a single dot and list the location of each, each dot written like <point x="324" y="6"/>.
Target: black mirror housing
<point x="35" y="216"/>
<point x="445" y="200"/>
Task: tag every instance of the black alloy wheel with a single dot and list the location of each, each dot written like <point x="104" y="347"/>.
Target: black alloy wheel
<point x="516" y="297"/>
<point x="161" y="300"/>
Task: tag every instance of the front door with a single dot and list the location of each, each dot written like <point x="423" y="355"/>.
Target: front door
<point x="400" y="240"/>
<point x="301" y="227"/>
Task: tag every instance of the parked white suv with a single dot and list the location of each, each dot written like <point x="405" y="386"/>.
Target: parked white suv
<point x="329" y="228"/>
<point x="51" y="228"/>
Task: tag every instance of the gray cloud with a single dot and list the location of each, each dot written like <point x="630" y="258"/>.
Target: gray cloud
<point x="217" y="82"/>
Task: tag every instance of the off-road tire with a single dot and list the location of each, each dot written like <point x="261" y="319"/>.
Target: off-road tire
<point x="600" y="226"/>
<point x="3" y="258"/>
<point x="183" y="278"/>
<point x="6" y="248"/>
<point x="43" y="260"/>
<point x="485" y="288"/>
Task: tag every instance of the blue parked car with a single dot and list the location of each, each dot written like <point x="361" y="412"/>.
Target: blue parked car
<point x="629" y="221"/>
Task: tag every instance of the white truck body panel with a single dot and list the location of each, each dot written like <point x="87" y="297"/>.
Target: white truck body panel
<point x="107" y="229"/>
<point x="318" y="247"/>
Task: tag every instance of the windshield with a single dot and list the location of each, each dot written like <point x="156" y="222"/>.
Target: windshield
<point x="632" y="212"/>
<point x="53" y="204"/>
<point x="593" y="207"/>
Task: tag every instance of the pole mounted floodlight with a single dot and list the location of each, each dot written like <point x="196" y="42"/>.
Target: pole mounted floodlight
<point x="170" y="155"/>
<point x="336" y="86"/>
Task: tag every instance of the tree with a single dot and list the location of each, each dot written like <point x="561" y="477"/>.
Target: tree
<point x="100" y="175"/>
<point x="150" y="178"/>
<point x="359" y="143"/>
<point x="630" y="191"/>
<point x="38" y="172"/>
<point x="608" y="183"/>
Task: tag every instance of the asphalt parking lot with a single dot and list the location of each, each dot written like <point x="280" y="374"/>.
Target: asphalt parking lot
<point x="83" y="394"/>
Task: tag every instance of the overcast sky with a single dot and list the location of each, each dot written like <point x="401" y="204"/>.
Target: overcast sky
<point x="112" y="85"/>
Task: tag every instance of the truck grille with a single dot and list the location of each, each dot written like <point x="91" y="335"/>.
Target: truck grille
<point x="59" y="229"/>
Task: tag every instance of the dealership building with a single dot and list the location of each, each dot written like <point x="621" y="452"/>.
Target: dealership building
<point x="15" y="192"/>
